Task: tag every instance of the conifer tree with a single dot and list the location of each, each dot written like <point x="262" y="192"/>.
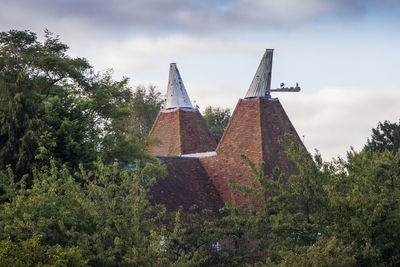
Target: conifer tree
<point x="55" y="106"/>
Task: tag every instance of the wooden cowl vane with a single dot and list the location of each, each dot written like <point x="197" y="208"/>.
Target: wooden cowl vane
<point x="261" y="84"/>
<point x="179" y="128"/>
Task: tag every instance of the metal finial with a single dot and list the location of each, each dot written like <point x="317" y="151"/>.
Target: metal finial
<point x="177" y="96"/>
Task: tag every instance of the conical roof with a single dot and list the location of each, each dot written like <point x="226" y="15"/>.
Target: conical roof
<point x="261" y="84"/>
<point x="179" y="128"/>
<point x="255" y="130"/>
<point x="177" y="96"/>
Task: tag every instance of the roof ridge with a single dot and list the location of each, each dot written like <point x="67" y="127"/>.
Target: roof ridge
<point x="260" y="113"/>
<point x="228" y="126"/>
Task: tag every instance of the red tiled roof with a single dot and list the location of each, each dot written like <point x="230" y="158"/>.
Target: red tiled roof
<point x="166" y="130"/>
<point x="254" y="130"/>
<point x="274" y="125"/>
<point x="180" y="132"/>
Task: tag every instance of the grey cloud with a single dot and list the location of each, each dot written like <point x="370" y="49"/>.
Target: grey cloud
<point x="185" y="16"/>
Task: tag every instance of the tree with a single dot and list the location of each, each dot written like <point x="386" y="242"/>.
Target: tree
<point x="364" y="206"/>
<point x="339" y="213"/>
<point x="107" y="221"/>
<point x="385" y="136"/>
<point x="29" y="73"/>
<point x="145" y="106"/>
<point x="54" y="106"/>
<point x="31" y="253"/>
<point x="282" y="213"/>
<point x="217" y="119"/>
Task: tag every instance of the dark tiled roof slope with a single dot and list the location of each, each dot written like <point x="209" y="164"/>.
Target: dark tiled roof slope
<point x="186" y="184"/>
<point x="275" y="124"/>
<point x="195" y="135"/>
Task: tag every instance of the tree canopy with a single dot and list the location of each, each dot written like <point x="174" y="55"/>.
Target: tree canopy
<point x="56" y="107"/>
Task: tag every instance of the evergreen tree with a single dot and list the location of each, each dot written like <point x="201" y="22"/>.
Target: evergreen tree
<point x="385" y="136"/>
<point x="217" y="119"/>
<point x="145" y="106"/>
<point x="55" y="106"/>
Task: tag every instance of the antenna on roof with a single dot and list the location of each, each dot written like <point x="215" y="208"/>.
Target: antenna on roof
<point x="261" y="84"/>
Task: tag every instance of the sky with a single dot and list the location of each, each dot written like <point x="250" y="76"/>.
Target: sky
<point x="343" y="53"/>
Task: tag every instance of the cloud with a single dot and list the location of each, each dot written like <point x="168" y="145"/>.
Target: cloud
<point x="141" y="53"/>
<point x="215" y="72"/>
<point x="208" y="16"/>
<point x="334" y="119"/>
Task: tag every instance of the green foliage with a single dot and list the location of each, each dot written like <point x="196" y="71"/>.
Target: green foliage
<point x="364" y="206"/>
<point x="108" y="220"/>
<point x="282" y="213"/>
<point x="145" y="106"/>
<point x="29" y="72"/>
<point x="31" y="253"/>
<point x="343" y="213"/>
<point x="191" y="238"/>
<point x="386" y="136"/>
<point x="8" y="186"/>
<point x="323" y="252"/>
<point x="56" y="107"/>
<point x="69" y="134"/>
<point x="217" y="119"/>
<point x="126" y="223"/>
